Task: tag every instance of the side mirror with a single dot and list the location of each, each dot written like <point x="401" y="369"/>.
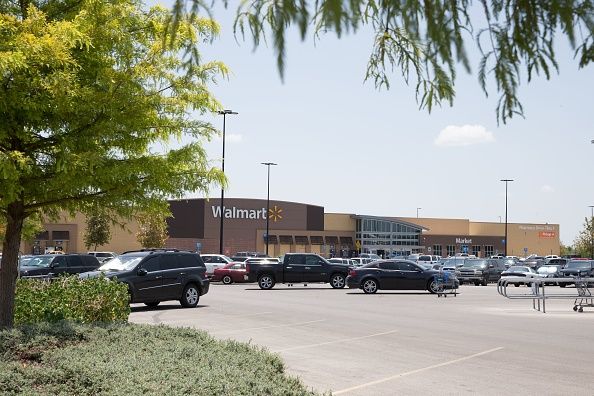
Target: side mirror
<point x="141" y="272"/>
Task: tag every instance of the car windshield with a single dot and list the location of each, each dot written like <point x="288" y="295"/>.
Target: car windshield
<point x="475" y="263"/>
<point x="518" y="269"/>
<point x="121" y="263"/>
<point x="579" y="264"/>
<point x="39" y="261"/>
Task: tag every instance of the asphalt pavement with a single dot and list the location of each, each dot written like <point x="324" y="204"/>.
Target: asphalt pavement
<point x="402" y="343"/>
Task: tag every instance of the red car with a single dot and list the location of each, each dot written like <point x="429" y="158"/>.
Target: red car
<point x="232" y="272"/>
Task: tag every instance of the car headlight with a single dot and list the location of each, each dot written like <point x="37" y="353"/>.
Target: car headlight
<point x="478" y="272"/>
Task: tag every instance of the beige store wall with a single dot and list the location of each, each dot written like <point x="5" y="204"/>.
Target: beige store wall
<point x="441" y="226"/>
<point x="339" y="222"/>
<point x="487" y="229"/>
<point x="542" y="239"/>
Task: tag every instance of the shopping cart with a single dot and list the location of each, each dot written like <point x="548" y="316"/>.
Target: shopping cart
<point x="446" y="283"/>
<point x="585" y="298"/>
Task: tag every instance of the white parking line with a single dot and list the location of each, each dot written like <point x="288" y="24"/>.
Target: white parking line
<point x="271" y="327"/>
<point x="334" y="342"/>
<point x="340" y="392"/>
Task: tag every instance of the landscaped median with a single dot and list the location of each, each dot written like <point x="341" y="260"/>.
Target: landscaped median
<point x="69" y="358"/>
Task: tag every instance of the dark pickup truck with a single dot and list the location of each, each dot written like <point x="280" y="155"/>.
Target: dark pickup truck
<point x="298" y="268"/>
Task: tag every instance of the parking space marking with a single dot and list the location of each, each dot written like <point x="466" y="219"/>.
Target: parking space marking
<point x="272" y="327"/>
<point x="334" y="342"/>
<point x="340" y="392"/>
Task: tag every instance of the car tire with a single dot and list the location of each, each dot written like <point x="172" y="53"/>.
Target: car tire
<point x="562" y="284"/>
<point x="370" y="286"/>
<point x="227" y="280"/>
<point x="190" y="296"/>
<point x="485" y="282"/>
<point x="477" y="283"/>
<point x="433" y="286"/>
<point x="152" y="304"/>
<point x="337" y="281"/>
<point x="266" y="282"/>
<point x="516" y="284"/>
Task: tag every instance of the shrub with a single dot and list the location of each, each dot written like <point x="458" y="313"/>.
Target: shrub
<point x="118" y="359"/>
<point x="69" y="298"/>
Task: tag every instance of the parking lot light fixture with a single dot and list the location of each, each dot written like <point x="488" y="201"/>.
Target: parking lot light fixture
<point x="268" y="164"/>
<point x="418" y="212"/>
<point x="592" y="229"/>
<point x="505" y="240"/>
<point x="224" y="114"/>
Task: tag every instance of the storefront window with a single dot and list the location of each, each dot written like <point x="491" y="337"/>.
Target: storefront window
<point x="488" y="251"/>
<point x="437" y="250"/>
<point x="451" y="250"/>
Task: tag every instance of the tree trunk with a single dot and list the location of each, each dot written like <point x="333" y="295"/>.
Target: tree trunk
<point x="15" y="216"/>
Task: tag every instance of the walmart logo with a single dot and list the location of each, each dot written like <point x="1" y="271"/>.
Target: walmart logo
<point x="275" y="213"/>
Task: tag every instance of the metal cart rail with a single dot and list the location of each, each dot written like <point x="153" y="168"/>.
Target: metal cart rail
<point x="446" y="283"/>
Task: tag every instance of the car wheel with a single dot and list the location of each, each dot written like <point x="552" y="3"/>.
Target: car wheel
<point x="433" y="286"/>
<point x="370" y="286"/>
<point x="516" y="284"/>
<point x="190" y="297"/>
<point x="485" y="282"/>
<point x="152" y="304"/>
<point x="477" y="283"/>
<point x="227" y="280"/>
<point x="337" y="281"/>
<point x="562" y="284"/>
<point x="266" y="282"/>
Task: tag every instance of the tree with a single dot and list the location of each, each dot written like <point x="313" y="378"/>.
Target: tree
<point x="425" y="39"/>
<point x="152" y="232"/>
<point x="583" y="243"/>
<point x="98" y="230"/>
<point x="87" y="90"/>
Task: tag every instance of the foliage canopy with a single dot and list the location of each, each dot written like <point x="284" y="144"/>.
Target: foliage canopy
<point x="88" y="90"/>
<point x="424" y="40"/>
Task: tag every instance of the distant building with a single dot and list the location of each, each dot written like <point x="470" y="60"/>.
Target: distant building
<point x="298" y="227"/>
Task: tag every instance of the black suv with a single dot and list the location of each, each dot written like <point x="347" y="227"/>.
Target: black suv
<point x="52" y="265"/>
<point x="155" y="275"/>
<point x="480" y="271"/>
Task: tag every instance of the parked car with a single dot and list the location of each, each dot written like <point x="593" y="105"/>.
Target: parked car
<point x="344" y="261"/>
<point x="52" y="265"/>
<point x="358" y="261"/>
<point x="480" y="271"/>
<point x="214" y="261"/>
<point x="157" y="275"/>
<point x="550" y="271"/>
<point x="298" y="268"/>
<point x="393" y="275"/>
<point x="371" y="256"/>
<point x="413" y="257"/>
<point x="451" y="263"/>
<point x="427" y="259"/>
<point x="257" y="260"/>
<point x="232" y="272"/>
<point x="575" y="268"/>
<point x="103" y="256"/>
<point x="520" y="271"/>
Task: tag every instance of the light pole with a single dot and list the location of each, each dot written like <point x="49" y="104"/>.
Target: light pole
<point x="268" y="203"/>
<point x="505" y="244"/>
<point x="592" y="229"/>
<point x="224" y="114"/>
<point x="418" y="212"/>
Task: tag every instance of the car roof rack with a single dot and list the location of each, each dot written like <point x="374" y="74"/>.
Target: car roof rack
<point x="154" y="250"/>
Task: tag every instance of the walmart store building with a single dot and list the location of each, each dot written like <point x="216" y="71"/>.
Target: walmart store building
<point x="297" y="227"/>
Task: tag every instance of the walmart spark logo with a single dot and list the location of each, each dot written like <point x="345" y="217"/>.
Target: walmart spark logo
<point x="275" y="213"/>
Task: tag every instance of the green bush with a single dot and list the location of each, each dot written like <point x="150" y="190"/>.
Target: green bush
<point x="69" y="298"/>
<point x="117" y="359"/>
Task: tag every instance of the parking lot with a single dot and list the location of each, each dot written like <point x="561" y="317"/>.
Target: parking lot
<point x="401" y="342"/>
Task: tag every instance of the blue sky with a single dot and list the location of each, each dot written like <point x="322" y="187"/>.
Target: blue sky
<point x="342" y="144"/>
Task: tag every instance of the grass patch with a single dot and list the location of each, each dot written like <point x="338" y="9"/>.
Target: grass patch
<point x="129" y="359"/>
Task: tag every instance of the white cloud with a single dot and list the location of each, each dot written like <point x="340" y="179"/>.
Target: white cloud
<point x="465" y="135"/>
<point x="547" y="189"/>
<point x="232" y="138"/>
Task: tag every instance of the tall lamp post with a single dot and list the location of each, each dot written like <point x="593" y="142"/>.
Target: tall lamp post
<point x="268" y="164"/>
<point x="224" y="114"/>
<point x="418" y="212"/>
<point x="505" y="244"/>
<point x="592" y="228"/>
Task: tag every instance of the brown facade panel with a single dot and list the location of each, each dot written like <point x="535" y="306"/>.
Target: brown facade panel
<point x="315" y="218"/>
<point x="286" y="239"/>
<point x="316" y="240"/>
<point x="301" y="240"/>
<point x="331" y="240"/>
<point x="60" y="235"/>
<point x="187" y="219"/>
<point x="272" y="239"/>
